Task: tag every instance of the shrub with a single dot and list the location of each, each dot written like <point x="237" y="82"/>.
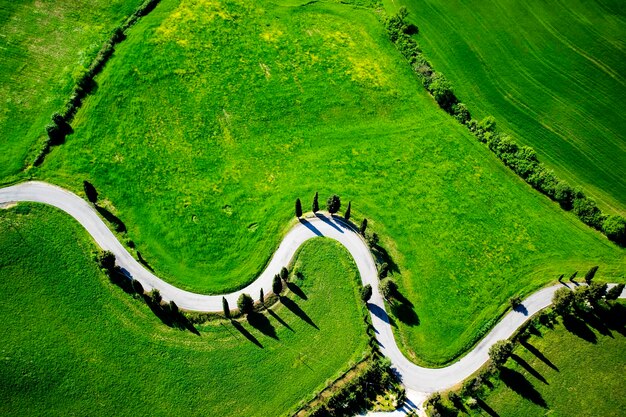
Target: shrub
<point x="245" y="304"/>
<point x="461" y="113"/>
<point x="333" y="204"/>
<point x="155" y="296"/>
<point x="515" y="301"/>
<point x="316" y="206"/>
<point x="346" y="216"/>
<point x="372" y="240"/>
<point x="106" y="260"/>
<point x="284" y="274"/>
<point x="586" y="209"/>
<point x="564" y="194"/>
<point x="596" y="292"/>
<point x="500" y="352"/>
<point x="298" y="208"/>
<point x="562" y="300"/>
<point x="615" y="229"/>
<point x="441" y="90"/>
<point x="614" y="292"/>
<point x="388" y="288"/>
<point x="366" y="293"/>
<point x="90" y="192"/>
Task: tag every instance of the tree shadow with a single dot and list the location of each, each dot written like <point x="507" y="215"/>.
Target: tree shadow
<point x="309" y="226"/>
<point x="405" y="313"/>
<point x="615" y="318"/>
<point x="528" y="368"/>
<point x="382" y="256"/>
<point x="172" y="318"/>
<point x="144" y="262"/>
<point x="295" y="309"/>
<point x="518" y="383"/>
<point x="578" y="327"/>
<point x="279" y="319"/>
<point x="597" y="322"/>
<point x="486" y="408"/>
<point x="381" y="314"/>
<point x="328" y="222"/>
<point x="262" y="324"/>
<point x="297" y="290"/>
<point x="111" y="218"/>
<point x="538" y="354"/>
<point x="521" y="308"/>
<point x="246" y="333"/>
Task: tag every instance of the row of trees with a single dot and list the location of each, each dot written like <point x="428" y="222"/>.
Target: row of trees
<point x="59" y="126"/>
<point x="245" y="303"/>
<point x="521" y="159"/>
<point x="333" y="204"/>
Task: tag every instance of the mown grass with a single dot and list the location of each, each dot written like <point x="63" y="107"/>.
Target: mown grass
<point x="211" y="120"/>
<point x="43" y="46"/>
<point x="565" y="372"/>
<point x="73" y="343"/>
<point x="552" y="73"/>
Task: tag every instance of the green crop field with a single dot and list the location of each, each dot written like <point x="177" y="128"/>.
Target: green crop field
<point x="552" y="73"/>
<point x="565" y="372"/>
<point x="212" y="117"/>
<point x="43" y="47"/>
<point x="72" y="341"/>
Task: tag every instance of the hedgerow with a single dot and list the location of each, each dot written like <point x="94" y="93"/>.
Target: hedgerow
<point x="521" y="159"/>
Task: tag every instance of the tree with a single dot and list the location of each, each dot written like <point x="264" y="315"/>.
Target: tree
<point x="500" y="352"/>
<point x="106" y="260"/>
<point x="284" y="274"/>
<point x="596" y="292"/>
<point x="173" y="307"/>
<point x="333" y="204"/>
<point x="515" y="301"/>
<point x="155" y="296"/>
<point x="581" y="296"/>
<point x="614" y="228"/>
<point x="614" y="292"/>
<point x="262" y="297"/>
<point x="137" y="287"/>
<point x="346" y="216"/>
<point x="372" y="240"/>
<point x="590" y="274"/>
<point x="363" y="227"/>
<point x="388" y="288"/>
<point x="562" y="300"/>
<point x="366" y="293"/>
<point x="225" y="307"/>
<point x="298" y="208"/>
<point x="90" y="192"/>
<point x="316" y="205"/>
<point x="277" y="285"/>
<point x="245" y="304"/>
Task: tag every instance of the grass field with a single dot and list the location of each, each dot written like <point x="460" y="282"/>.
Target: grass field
<point x="552" y="73"/>
<point x="74" y="342"/>
<point x="210" y="121"/>
<point x="43" y="45"/>
<point x="564" y="373"/>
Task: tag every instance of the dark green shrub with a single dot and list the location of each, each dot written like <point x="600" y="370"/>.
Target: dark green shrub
<point x="106" y="260"/>
<point x="614" y="292"/>
<point x="245" y="304"/>
<point x="562" y="300"/>
<point x="333" y="204"/>
<point x="515" y="301"/>
<point x="587" y="210"/>
<point x="277" y="285"/>
<point x="615" y="229"/>
<point x="388" y="288"/>
<point x="366" y="293"/>
<point x="284" y="274"/>
<point x="461" y="113"/>
<point x="155" y="296"/>
<point x="500" y="352"/>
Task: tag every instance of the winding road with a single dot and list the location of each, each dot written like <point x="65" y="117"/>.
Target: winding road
<point x="419" y="381"/>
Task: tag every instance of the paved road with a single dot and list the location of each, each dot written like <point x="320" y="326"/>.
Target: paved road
<point x="418" y="380"/>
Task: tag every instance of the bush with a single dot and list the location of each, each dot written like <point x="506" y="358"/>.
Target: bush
<point x="388" y="288"/>
<point x="441" y="90"/>
<point x="562" y="300"/>
<point x="284" y="274"/>
<point x="461" y="113"/>
<point x="106" y="260"/>
<point x="515" y="301"/>
<point x="500" y="352"/>
<point x="615" y="229"/>
<point x="277" y="285"/>
<point x="614" y="292"/>
<point x="366" y="293"/>
<point x="155" y="296"/>
<point x="245" y="304"/>
<point x="596" y="292"/>
<point x="333" y="204"/>
<point x="586" y="209"/>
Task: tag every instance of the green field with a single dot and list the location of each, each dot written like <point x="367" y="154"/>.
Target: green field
<point x="43" y="46"/>
<point x="72" y="341"/>
<point x="552" y="73"/>
<point x="565" y="373"/>
<point x="212" y="118"/>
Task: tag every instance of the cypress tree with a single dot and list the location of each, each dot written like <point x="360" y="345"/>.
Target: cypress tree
<point x="316" y="205"/>
<point x="298" y="208"/>
<point x="363" y="227"/>
<point x="284" y="273"/>
<point x="590" y="274"/>
<point x="347" y="215"/>
<point x="262" y="297"/>
<point x="277" y="285"/>
<point x="245" y="304"/>
<point x="225" y="307"/>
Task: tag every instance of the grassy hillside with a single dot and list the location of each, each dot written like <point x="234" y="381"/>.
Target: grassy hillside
<point x="552" y="73"/>
<point x="74" y="342"/>
<point x="210" y="121"/>
<point x="564" y="373"/>
<point x="43" y="46"/>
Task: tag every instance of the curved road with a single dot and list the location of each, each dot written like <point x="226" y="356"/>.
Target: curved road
<point x="418" y="380"/>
